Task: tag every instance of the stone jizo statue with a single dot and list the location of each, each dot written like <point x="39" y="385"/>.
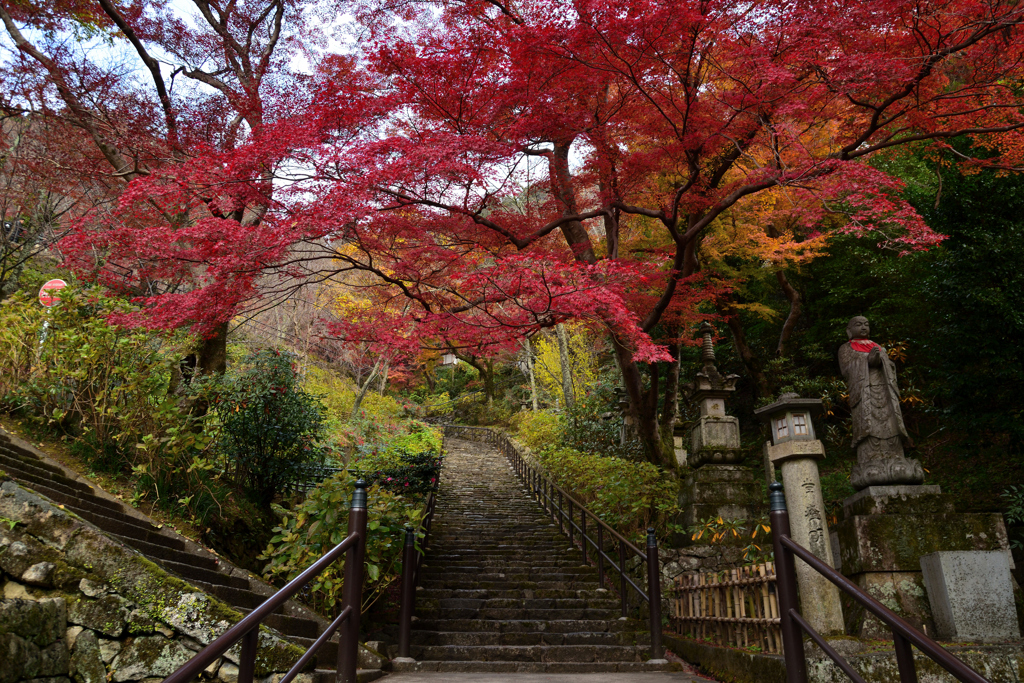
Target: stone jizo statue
<point x="878" y="431"/>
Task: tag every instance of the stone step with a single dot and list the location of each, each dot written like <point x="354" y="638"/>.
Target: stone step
<point x="130" y="530"/>
<point x="516" y="603"/>
<point x="190" y="572"/>
<point x="507" y="584"/>
<point x="528" y="667"/>
<point x="527" y="625"/>
<point x="326" y="656"/>
<point x="531" y="653"/>
<point x="516" y="613"/>
<point x="626" y="638"/>
<point x="68" y="487"/>
<point x="484" y="594"/>
<point x="13" y="457"/>
<point x="171" y="553"/>
<point x="159" y="552"/>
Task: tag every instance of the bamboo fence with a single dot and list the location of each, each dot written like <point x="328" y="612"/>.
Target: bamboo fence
<point x="736" y="608"/>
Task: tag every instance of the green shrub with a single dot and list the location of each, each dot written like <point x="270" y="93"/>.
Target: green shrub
<point x="321" y="522"/>
<point x="412" y="474"/>
<point x="630" y="496"/>
<point x="270" y="426"/>
<point x="106" y="386"/>
<point x="538" y="429"/>
<point x="583" y="429"/>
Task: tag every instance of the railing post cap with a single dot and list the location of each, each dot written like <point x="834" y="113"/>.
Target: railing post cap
<point x="652" y="540"/>
<point x="359" y="495"/>
<point x="410" y="535"/>
<point x="776" y="497"/>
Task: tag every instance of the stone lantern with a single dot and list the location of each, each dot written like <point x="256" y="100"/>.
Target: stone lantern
<point x="796" y="451"/>
<point x="717" y="485"/>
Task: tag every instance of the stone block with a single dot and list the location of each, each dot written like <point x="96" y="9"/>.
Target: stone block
<point x="716" y="432"/>
<point x="971" y="595"/>
<point x="727" y="491"/>
<point x="790" y="450"/>
<point x="902" y="592"/>
<point x="106" y="615"/>
<point x="898" y="500"/>
<point x="42" y="622"/>
<point x="894" y="543"/>
<point x="86" y="660"/>
<point x="150" y="656"/>
<point x="40" y="574"/>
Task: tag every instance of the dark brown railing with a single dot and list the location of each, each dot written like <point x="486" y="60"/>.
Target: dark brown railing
<point x="247" y="630"/>
<point x="574" y="518"/>
<point x="904" y="635"/>
<point x="412" y="560"/>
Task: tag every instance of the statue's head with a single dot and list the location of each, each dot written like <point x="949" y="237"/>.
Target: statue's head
<point x="858" y="328"/>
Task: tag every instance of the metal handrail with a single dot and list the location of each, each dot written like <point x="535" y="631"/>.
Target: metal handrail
<point x="412" y="561"/>
<point x="247" y="630"/>
<point x="904" y="635"/>
<point x="543" y="487"/>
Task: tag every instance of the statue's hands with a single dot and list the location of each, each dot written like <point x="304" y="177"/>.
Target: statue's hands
<point x="875" y="356"/>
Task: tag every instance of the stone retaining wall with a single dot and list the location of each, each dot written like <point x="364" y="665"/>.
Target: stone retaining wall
<point x="78" y="606"/>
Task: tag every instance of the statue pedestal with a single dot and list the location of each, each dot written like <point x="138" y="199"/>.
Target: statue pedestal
<point x="881" y="537"/>
<point x="726" y="491"/>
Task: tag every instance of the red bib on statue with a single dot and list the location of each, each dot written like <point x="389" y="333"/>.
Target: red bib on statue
<point x="862" y="345"/>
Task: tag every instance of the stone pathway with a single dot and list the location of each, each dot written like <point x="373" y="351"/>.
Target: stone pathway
<point x="648" y="677"/>
<point x="502" y="593"/>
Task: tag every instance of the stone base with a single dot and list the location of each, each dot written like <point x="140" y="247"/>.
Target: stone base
<point x="727" y="491"/>
<point x="885" y="531"/>
<point x="894" y="470"/>
<point x="971" y="594"/>
<point x="998" y="663"/>
<point x="902" y="592"/>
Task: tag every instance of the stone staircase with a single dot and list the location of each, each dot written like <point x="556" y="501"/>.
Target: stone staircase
<point x="174" y="553"/>
<point x="502" y="592"/>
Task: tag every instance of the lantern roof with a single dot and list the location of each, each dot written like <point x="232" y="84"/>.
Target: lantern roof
<point x="789" y="402"/>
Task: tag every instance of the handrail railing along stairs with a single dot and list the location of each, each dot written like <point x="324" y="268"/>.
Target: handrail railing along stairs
<point x="412" y="561"/>
<point x="247" y="630"/>
<point x="565" y="509"/>
<point x="904" y="635"/>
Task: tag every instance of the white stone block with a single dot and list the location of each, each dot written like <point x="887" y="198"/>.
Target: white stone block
<point x="971" y="594"/>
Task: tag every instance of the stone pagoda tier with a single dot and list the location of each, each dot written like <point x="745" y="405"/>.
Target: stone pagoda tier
<point x="718" y="484"/>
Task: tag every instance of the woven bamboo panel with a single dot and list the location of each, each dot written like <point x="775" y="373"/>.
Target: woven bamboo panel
<point x="735" y="608"/>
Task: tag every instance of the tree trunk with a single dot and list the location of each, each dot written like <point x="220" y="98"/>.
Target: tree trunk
<point x="568" y="393"/>
<point x="641" y="408"/>
<point x="363" y="390"/>
<point x="533" y="377"/>
<point x="212" y="355"/>
<point x="670" y="407"/>
<point x="795" y="309"/>
<point x="384" y="378"/>
<point x="489" y="382"/>
<point x="747" y="355"/>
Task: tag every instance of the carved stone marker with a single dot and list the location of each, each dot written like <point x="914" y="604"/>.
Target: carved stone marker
<point x="718" y="485"/>
<point x="878" y="430"/>
<point x="796" y="451"/>
<point x="971" y="595"/>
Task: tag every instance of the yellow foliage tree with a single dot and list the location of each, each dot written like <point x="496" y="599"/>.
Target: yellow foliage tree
<point x="583" y="362"/>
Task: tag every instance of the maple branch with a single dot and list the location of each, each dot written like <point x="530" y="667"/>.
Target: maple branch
<point x="82" y="114"/>
<point x="520" y="243"/>
<point x="154" y="69"/>
<point x="926" y="68"/>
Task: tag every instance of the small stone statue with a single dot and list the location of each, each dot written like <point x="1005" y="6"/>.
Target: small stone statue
<point x="878" y="431"/>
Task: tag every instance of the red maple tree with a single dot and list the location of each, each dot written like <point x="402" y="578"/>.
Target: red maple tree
<point x="502" y="166"/>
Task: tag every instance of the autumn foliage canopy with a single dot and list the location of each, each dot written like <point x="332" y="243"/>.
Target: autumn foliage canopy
<point x="494" y="167"/>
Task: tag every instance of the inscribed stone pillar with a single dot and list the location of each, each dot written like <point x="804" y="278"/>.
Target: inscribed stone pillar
<point x="819" y="597"/>
<point x="796" y="452"/>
